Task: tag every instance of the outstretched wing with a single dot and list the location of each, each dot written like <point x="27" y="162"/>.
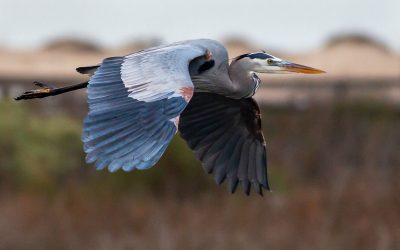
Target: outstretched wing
<point x="225" y="135"/>
<point x="134" y="105"/>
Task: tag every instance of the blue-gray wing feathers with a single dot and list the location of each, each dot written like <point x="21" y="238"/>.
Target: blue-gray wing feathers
<point x="121" y="132"/>
<point x="225" y="135"/>
<point x="135" y="103"/>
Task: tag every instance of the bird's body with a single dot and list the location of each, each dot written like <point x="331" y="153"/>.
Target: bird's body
<point x="138" y="102"/>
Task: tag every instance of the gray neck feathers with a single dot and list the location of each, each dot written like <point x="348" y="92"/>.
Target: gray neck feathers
<point x="235" y="80"/>
<point x="244" y="81"/>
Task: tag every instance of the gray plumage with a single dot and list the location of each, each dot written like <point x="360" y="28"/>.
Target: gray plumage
<point x="138" y="102"/>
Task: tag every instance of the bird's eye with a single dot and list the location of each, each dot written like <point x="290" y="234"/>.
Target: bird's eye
<point x="270" y="61"/>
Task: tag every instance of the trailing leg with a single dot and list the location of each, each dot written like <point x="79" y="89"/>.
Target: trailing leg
<point x="45" y="90"/>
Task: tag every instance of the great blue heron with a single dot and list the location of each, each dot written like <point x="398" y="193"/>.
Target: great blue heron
<point x="138" y="102"/>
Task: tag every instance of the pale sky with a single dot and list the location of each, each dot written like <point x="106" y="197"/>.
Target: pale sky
<point x="278" y="24"/>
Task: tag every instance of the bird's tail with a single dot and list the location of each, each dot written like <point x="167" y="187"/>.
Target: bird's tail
<point x="46" y="90"/>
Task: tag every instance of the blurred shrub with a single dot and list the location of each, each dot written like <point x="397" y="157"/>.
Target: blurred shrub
<point x="37" y="151"/>
<point x="45" y="153"/>
<point x="309" y="147"/>
<point x="334" y="170"/>
<point x="356" y="39"/>
<point x="72" y="45"/>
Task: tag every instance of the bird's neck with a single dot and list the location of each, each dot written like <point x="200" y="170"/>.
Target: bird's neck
<point x="244" y="81"/>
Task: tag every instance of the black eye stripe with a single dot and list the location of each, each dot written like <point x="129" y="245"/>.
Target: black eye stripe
<point x="259" y="55"/>
<point x="206" y="66"/>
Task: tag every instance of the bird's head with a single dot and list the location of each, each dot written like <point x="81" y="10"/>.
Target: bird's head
<point x="261" y="62"/>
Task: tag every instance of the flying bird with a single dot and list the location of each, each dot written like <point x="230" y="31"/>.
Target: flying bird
<point x="138" y="102"/>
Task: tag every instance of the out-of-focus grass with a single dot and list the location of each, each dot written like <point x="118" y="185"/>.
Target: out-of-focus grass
<point x="44" y="153"/>
<point x="35" y="151"/>
<point x="334" y="171"/>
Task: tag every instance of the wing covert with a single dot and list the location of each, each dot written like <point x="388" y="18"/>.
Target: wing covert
<point x="134" y="106"/>
<point x="160" y="72"/>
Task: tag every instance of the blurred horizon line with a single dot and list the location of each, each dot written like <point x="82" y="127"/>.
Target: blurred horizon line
<point x="155" y="40"/>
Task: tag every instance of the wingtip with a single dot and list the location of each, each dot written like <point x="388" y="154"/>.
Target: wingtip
<point x="267" y="186"/>
<point x="233" y="183"/>
<point x="219" y="178"/>
<point x="246" y="187"/>
<point x="258" y="188"/>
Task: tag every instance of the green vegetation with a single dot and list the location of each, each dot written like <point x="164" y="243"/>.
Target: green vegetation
<point x="37" y="151"/>
<point x="334" y="171"/>
<point x="44" y="152"/>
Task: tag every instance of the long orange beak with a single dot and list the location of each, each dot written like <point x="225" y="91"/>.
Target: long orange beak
<point x="298" y="68"/>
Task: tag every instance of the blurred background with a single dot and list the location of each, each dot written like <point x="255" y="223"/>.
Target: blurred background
<point x="333" y="140"/>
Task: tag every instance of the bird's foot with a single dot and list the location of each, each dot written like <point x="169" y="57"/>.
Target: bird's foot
<point x="44" y="91"/>
<point x="44" y="85"/>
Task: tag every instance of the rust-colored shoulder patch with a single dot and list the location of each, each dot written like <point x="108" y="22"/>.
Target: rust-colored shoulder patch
<point x="187" y="93"/>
